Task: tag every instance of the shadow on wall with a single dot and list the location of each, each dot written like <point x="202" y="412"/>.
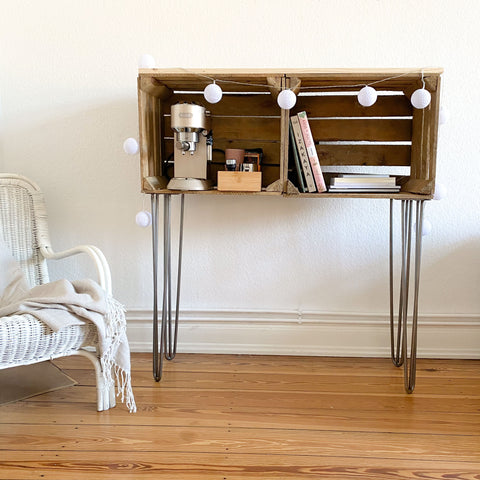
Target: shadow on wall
<point x="451" y="280"/>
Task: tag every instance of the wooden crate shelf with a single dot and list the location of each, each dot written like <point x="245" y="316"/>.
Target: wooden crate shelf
<point x="391" y="133"/>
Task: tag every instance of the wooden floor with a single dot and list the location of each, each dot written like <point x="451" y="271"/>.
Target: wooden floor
<point x="229" y="417"/>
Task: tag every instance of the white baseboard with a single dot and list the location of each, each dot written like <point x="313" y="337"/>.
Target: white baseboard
<point x="307" y="333"/>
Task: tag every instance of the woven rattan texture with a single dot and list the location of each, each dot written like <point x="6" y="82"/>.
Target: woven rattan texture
<point x="19" y="223"/>
<point x="23" y="225"/>
<point x="25" y="340"/>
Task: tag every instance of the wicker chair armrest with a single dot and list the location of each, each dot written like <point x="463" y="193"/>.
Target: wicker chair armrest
<point x="101" y="265"/>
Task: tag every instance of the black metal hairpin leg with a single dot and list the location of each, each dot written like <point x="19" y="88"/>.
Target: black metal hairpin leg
<point x="398" y="342"/>
<point x="165" y="344"/>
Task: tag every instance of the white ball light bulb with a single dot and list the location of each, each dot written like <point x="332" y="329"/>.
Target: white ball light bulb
<point x="421" y="98"/>
<point x="443" y="115"/>
<point x="143" y="218"/>
<point x="146" y="61"/>
<point x="367" y="96"/>
<point x="426" y="227"/>
<point x="212" y="93"/>
<point x="130" y="146"/>
<point x="286" y="99"/>
<point x="440" y="191"/>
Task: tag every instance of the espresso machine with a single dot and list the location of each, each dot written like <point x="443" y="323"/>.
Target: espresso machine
<point x="192" y="147"/>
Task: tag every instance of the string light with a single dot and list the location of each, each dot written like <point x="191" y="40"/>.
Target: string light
<point x="440" y="191"/>
<point x="146" y="61"/>
<point x="286" y="99"/>
<point x="318" y="87"/>
<point x="443" y="115"/>
<point x="426" y="227"/>
<point x="367" y="96"/>
<point x="421" y="97"/>
<point x="213" y="93"/>
<point x="143" y="219"/>
<point x="130" y="146"/>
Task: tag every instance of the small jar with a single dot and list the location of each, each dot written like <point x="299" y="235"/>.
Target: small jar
<point x="230" y="164"/>
<point x="248" y="167"/>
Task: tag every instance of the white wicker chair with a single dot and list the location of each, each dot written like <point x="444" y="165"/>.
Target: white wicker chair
<point x="24" y="339"/>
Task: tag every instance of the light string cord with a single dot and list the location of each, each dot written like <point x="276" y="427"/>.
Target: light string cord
<point x="423" y="118"/>
<point x="217" y="80"/>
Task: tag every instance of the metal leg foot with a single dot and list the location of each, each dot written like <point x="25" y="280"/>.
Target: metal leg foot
<point x="399" y="342"/>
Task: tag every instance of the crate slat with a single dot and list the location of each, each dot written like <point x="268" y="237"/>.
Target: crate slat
<point x="252" y="128"/>
<point x="384" y="130"/>
<point x="348" y="106"/>
<point x="235" y="105"/>
<point x="372" y="155"/>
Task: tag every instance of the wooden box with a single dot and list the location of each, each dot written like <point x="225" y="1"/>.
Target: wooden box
<point x="391" y="133"/>
<point x="247" y="117"/>
<point x="239" y="181"/>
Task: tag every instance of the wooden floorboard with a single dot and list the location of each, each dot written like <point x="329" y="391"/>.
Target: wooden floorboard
<point x="230" y="417"/>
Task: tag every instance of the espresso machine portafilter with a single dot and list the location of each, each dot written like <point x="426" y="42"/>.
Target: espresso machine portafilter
<point x="192" y="147"/>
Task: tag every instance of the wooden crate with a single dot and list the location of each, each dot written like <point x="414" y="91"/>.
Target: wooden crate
<point x="391" y="133"/>
<point x="247" y="117"/>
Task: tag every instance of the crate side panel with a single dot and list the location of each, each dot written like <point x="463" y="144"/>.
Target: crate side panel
<point x="424" y="142"/>
<point x="151" y="143"/>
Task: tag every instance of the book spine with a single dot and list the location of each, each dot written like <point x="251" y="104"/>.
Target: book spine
<point x="336" y="183"/>
<point x="296" y="160"/>
<point x="311" y="151"/>
<point x="363" y="180"/>
<point x="303" y="155"/>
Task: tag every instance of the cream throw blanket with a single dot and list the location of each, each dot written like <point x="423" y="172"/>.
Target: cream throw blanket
<point x="61" y="304"/>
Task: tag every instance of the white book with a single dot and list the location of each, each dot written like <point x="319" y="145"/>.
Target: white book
<point x="363" y="185"/>
<point x="365" y="190"/>
<point x="363" y="180"/>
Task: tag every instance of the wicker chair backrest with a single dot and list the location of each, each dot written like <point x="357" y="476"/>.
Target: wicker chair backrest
<point x="23" y="225"/>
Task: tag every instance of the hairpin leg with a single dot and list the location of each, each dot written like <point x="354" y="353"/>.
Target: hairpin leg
<point x="157" y="346"/>
<point x="172" y="332"/>
<point x="399" y="350"/>
<point x="165" y="344"/>
<point x="410" y="369"/>
<point x="395" y="344"/>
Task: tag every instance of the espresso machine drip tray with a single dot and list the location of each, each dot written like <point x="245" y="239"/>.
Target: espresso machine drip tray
<point x="179" y="183"/>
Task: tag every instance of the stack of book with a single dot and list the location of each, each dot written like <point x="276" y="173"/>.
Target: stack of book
<point x="349" y="183"/>
<point x="304" y="155"/>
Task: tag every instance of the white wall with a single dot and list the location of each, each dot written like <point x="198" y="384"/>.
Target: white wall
<point x="68" y="100"/>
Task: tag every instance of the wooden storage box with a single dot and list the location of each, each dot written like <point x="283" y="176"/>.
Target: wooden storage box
<point x="391" y="133"/>
<point x="247" y="117"/>
<point x="239" y="181"/>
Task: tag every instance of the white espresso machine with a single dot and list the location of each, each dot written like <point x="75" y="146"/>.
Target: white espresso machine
<point x="192" y="147"/>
